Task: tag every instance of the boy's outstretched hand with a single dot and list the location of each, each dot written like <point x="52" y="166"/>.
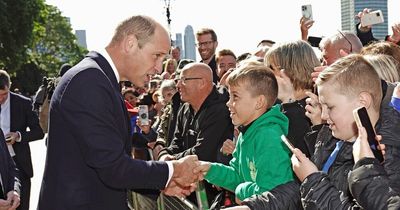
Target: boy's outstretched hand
<point x="302" y="166"/>
<point x="202" y="169"/>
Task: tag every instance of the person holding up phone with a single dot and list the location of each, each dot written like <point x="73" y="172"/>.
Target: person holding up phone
<point x="364" y="31"/>
<point x="370" y="177"/>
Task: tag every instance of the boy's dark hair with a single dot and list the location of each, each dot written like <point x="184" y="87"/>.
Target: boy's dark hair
<point x="258" y="79"/>
<point x="4" y="80"/>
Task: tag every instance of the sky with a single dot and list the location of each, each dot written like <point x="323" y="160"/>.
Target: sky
<point x="239" y="25"/>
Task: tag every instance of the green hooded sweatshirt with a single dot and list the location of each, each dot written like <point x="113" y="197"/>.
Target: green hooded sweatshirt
<point x="261" y="161"/>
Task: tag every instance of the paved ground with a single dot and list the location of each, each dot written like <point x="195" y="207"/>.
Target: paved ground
<point x="38" y="152"/>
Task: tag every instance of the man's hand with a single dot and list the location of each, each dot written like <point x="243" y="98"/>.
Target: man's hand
<point x="184" y="173"/>
<point x="12" y="137"/>
<point x="305" y="25"/>
<point x="202" y="169"/>
<point x="167" y="158"/>
<point x="395" y="37"/>
<point x="302" y="166"/>
<point x="317" y="71"/>
<point x="174" y="189"/>
<point x="228" y="147"/>
<point x="313" y="108"/>
<point x="12" y="201"/>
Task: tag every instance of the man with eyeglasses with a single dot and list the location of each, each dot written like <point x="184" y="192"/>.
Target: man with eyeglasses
<point x="203" y="121"/>
<point x="207" y="43"/>
<point x="338" y="45"/>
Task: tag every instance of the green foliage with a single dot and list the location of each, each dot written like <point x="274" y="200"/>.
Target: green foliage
<point x="53" y="42"/>
<point x="16" y="24"/>
<point x="35" y="40"/>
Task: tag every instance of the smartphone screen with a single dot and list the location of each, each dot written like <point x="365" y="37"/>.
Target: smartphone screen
<point x="286" y="141"/>
<point x="361" y="117"/>
<point x="144" y="114"/>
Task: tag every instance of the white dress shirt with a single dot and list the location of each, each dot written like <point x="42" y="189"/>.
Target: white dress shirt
<point x="5" y="121"/>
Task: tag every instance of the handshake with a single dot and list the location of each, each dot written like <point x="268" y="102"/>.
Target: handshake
<point x="187" y="172"/>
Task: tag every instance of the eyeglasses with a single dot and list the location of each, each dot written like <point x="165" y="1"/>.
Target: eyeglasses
<point x="208" y="43"/>
<point x="184" y="79"/>
<point x="351" y="46"/>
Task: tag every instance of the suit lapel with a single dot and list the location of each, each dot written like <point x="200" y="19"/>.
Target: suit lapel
<point x="13" y="112"/>
<point x="106" y="68"/>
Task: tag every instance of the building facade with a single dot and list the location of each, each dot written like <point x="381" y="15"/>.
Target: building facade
<point x="350" y="8"/>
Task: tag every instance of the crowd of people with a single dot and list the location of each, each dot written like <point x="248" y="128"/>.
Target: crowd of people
<point x="216" y="123"/>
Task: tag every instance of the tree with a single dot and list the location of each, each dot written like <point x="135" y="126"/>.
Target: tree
<point x="53" y="42"/>
<point x="52" y="45"/>
<point x="16" y="23"/>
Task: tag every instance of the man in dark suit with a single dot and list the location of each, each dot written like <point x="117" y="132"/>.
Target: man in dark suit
<point x="16" y="116"/>
<point x="88" y="163"/>
<point x="9" y="183"/>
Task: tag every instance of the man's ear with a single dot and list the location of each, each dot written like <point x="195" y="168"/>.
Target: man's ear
<point x="365" y="99"/>
<point x="130" y="43"/>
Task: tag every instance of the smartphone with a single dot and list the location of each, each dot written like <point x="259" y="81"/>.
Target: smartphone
<point x="372" y="18"/>
<point x="362" y="119"/>
<point x="314" y="40"/>
<point x="144" y="114"/>
<point x="306" y="11"/>
<point x="286" y="141"/>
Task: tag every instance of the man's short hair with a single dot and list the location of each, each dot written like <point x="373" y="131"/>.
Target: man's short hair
<point x="224" y="52"/>
<point x="204" y="31"/>
<point x="342" y="40"/>
<point x="4" y="80"/>
<point x="142" y="27"/>
<point x="258" y="79"/>
<point x="351" y="76"/>
<point x="168" y="84"/>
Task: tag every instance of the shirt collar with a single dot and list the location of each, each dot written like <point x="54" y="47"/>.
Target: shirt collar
<point x="105" y="54"/>
<point x="6" y="103"/>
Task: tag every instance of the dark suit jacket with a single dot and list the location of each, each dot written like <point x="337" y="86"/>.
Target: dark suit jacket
<point x="8" y="170"/>
<point x="88" y="163"/>
<point x="22" y="117"/>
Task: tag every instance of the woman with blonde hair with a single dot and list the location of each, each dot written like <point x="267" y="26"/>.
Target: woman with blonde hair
<point x="292" y="63"/>
<point x="386" y="67"/>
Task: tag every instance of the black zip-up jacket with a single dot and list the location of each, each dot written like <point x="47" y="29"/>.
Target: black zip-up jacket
<point x="204" y="132"/>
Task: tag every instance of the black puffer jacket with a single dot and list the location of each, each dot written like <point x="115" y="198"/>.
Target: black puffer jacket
<point x="285" y="196"/>
<point x="329" y="191"/>
<point x="202" y="133"/>
<point x="369" y="183"/>
<point x="375" y="186"/>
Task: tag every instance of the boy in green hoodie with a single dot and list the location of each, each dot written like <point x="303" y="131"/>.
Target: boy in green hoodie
<point x="260" y="161"/>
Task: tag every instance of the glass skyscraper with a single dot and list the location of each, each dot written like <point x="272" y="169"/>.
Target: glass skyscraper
<point x="189" y="42"/>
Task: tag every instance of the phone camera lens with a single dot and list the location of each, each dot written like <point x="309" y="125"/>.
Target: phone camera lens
<point x="143" y="116"/>
<point x="377" y="14"/>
